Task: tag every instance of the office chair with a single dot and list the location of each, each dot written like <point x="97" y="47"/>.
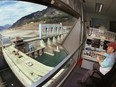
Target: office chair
<point x="104" y="81"/>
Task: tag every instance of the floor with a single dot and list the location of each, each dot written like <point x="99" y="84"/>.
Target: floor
<point x="76" y="75"/>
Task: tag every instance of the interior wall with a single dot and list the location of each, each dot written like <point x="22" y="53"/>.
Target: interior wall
<point x="97" y="20"/>
<point x="73" y="39"/>
<point x="74" y="4"/>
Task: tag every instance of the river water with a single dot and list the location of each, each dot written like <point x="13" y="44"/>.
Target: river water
<point x="52" y="61"/>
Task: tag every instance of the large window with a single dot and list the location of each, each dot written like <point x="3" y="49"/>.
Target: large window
<point x="43" y="29"/>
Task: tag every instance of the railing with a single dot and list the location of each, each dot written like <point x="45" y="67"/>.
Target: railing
<point x="53" y="72"/>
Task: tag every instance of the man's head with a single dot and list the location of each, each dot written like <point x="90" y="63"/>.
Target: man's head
<point x="111" y="47"/>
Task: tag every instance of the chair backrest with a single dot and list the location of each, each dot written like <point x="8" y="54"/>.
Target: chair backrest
<point x="110" y="76"/>
<point x="111" y="73"/>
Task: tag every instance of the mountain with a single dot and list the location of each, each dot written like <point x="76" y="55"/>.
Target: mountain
<point x="48" y="15"/>
<point x="1" y="28"/>
<point x="5" y="27"/>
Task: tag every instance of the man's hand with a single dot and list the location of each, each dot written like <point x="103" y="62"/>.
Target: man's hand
<point x="95" y="52"/>
<point x="100" y="53"/>
<point x="98" y="59"/>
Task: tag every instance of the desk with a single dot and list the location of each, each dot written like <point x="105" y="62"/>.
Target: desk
<point x="88" y="61"/>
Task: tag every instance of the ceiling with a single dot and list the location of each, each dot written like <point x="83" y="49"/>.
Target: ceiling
<point x="109" y="7"/>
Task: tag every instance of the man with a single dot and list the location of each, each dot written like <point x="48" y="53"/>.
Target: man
<point x="105" y="65"/>
<point x="109" y="61"/>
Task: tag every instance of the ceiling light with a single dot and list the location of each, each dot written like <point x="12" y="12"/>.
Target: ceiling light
<point x="52" y="1"/>
<point x="99" y="7"/>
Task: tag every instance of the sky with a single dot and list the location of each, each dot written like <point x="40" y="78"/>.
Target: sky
<point x="11" y="11"/>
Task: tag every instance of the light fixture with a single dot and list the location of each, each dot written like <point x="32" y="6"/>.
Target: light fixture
<point x="98" y="7"/>
<point x="52" y="1"/>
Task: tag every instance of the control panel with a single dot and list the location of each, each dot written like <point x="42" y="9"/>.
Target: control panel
<point x="97" y="40"/>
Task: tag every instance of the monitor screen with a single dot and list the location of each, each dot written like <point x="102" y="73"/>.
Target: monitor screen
<point x="89" y="41"/>
<point x="105" y="44"/>
<point x="96" y="43"/>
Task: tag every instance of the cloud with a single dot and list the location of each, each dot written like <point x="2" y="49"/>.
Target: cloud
<point x="11" y="11"/>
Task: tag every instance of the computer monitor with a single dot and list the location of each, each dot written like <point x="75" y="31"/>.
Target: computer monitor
<point x="105" y="44"/>
<point x="96" y="43"/>
<point x="89" y="41"/>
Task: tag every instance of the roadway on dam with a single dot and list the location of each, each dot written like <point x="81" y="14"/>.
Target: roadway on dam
<point x="8" y="79"/>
